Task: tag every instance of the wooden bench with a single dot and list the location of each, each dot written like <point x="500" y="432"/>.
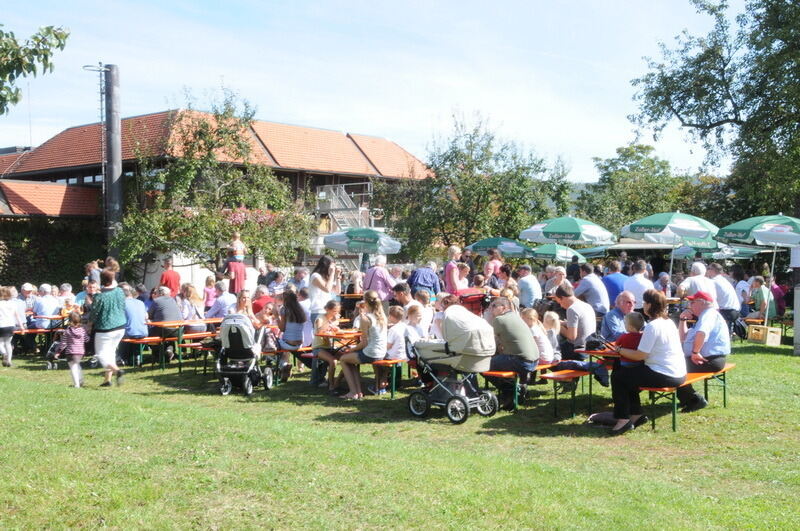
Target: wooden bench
<point x="657" y="393"/>
<point x="142" y="341"/>
<point x="394" y="369"/>
<point x="511" y="375"/>
<point x="564" y="376"/>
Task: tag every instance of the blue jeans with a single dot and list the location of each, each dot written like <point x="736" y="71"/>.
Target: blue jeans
<point x="509" y="362"/>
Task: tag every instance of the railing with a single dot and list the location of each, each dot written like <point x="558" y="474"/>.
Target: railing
<point x="338" y="203"/>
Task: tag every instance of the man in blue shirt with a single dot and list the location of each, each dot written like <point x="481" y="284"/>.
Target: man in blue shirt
<point x="135" y="323"/>
<point x="592" y="290"/>
<point x="613" y="324"/>
<point x="529" y="288"/>
<point x="706" y="345"/>
<point x="45" y="305"/>
<point x="224" y="303"/>
<point x="614" y="281"/>
<point x="424" y="278"/>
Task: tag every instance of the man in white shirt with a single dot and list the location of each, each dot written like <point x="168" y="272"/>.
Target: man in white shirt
<point x="637" y="283"/>
<point x="697" y="281"/>
<point x="727" y="300"/>
<point x="529" y="288"/>
<point x="402" y="294"/>
<point x="592" y="290"/>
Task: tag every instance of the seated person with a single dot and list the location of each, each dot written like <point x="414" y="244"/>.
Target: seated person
<point x="763" y="301"/>
<point x="578" y="326"/>
<point x="224" y="303"/>
<point x="613" y="325"/>
<point x="516" y="349"/>
<point x="323" y="347"/>
<point x="278" y="286"/>
<point x="164" y="308"/>
<point x="634" y="324"/>
<point x="592" y="290"/>
<point x="46" y="305"/>
<point x="395" y="348"/>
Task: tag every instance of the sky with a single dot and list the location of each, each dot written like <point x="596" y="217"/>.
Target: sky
<point x="552" y="76"/>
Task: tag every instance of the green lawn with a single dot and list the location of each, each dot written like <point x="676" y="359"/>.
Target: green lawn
<point x="166" y="451"/>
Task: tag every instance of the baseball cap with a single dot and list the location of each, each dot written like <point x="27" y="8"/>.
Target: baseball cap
<point x="700" y="295"/>
<point x="27" y="287"/>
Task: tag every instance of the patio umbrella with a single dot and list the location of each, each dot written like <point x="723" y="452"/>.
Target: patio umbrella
<point x="724" y="252"/>
<point x="553" y="251"/>
<point x="776" y="231"/>
<point x="673" y="228"/>
<point x="362" y="240"/>
<point x="567" y="230"/>
<point x="506" y="246"/>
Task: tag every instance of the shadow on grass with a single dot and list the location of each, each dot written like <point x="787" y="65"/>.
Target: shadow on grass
<point x="751" y="349"/>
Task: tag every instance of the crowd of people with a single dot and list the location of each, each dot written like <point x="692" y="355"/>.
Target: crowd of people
<point x="545" y="317"/>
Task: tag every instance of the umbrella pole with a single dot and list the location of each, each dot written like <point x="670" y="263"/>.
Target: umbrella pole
<point x="671" y="258"/>
<point x="769" y="284"/>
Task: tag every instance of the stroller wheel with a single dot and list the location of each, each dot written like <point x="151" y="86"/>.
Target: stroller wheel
<point x="419" y="404"/>
<point x="48" y="366"/>
<point x="247" y="385"/>
<point x="488" y="404"/>
<point x="457" y="409"/>
<point x="94" y="363"/>
<point x="268" y="378"/>
<point x="225" y="386"/>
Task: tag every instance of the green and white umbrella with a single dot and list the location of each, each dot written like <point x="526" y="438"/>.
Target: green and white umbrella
<point x="775" y="231"/>
<point x="560" y="253"/>
<point x="724" y="252"/>
<point x="673" y="228"/>
<point x="362" y="240"/>
<point x="506" y="246"/>
<point x="567" y="230"/>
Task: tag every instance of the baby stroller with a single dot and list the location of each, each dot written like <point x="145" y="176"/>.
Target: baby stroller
<point x="448" y="368"/>
<point x="238" y="362"/>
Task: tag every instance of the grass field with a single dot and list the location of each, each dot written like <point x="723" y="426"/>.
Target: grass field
<point x="166" y="451"/>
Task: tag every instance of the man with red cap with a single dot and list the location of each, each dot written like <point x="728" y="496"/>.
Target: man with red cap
<point x="705" y="345"/>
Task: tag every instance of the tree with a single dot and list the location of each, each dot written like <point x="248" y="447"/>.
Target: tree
<point x="209" y="186"/>
<point x="632" y="185"/>
<point x="737" y="90"/>
<point x="481" y="187"/>
<point x="21" y="59"/>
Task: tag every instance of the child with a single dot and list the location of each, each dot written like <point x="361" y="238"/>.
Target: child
<point x="209" y="293"/>
<point x="414" y="331"/>
<point x="634" y="323"/>
<point x="552" y="324"/>
<point x="438" y="317"/>
<point x="323" y="346"/>
<point x="237" y="247"/>
<point x="360" y="309"/>
<point x="543" y="343"/>
<point x="73" y="341"/>
<point x="395" y="347"/>
<point x="426" y="317"/>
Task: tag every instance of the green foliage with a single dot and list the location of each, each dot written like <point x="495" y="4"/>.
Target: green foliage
<point x="21" y="59"/>
<point x="482" y="188"/>
<point x="737" y="90"/>
<point x="632" y="185"/>
<point x="210" y="186"/>
<point x="40" y="250"/>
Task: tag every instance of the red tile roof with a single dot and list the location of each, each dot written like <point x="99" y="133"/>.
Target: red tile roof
<point x="80" y="146"/>
<point x="390" y="159"/>
<point x="307" y="148"/>
<point x="9" y="161"/>
<point x="34" y="198"/>
<point x="277" y="145"/>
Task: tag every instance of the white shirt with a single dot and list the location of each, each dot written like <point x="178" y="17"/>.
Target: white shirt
<point x="543" y="344"/>
<point x="726" y="295"/>
<point x="529" y="290"/>
<point x="396" y="337"/>
<point x="426" y="320"/>
<point x="318" y="297"/>
<point x="637" y="284"/>
<point x="308" y="326"/>
<point x="594" y="292"/>
<point x="662" y="343"/>
<point x="742" y="291"/>
<point x="693" y="284"/>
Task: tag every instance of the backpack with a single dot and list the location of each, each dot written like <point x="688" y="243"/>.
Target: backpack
<point x="740" y="328"/>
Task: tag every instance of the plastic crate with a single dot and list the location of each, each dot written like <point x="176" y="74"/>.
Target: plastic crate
<point x="764" y="335"/>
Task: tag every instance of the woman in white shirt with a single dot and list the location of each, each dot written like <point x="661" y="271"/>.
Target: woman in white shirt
<point x="321" y="286"/>
<point x="664" y="366"/>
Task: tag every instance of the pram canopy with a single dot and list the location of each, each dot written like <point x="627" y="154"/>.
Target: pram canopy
<point x="238" y="335"/>
<point x="466" y="333"/>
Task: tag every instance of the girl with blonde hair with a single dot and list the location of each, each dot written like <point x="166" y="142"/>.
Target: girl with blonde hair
<point x="371" y="346"/>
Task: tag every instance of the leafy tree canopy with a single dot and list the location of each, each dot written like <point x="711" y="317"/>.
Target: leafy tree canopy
<point x="737" y="89"/>
<point x="482" y="187"/>
<point x="632" y="185"/>
<point x="29" y="57"/>
<point x="209" y="186"/>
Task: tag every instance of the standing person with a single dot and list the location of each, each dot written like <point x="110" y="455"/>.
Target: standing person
<point x="451" y="283"/>
<point x="322" y="286"/>
<point x="424" y="278"/>
<point x="466" y="257"/>
<point x="9" y="321"/>
<point x="530" y="290"/>
<point x="492" y="265"/>
<point x="170" y="278"/>
<point x="637" y="284"/>
<point x="73" y="346"/>
<point x="664" y="366"/>
<point x="726" y="298"/>
<point x="379" y="280"/>
<point x="592" y="290"/>
<point x="209" y="293"/>
<point x="574" y="270"/>
<point x="705" y="346"/>
<point x="371" y="346"/>
<point x="236" y="271"/>
<point x="742" y="289"/>
<point x="108" y="322"/>
<point x="614" y="281"/>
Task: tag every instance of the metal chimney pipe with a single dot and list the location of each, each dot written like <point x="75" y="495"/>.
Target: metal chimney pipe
<point x="113" y="177"/>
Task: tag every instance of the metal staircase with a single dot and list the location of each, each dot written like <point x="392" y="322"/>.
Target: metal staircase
<point x="337" y="203"/>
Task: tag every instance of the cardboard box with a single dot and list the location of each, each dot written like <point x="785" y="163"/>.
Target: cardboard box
<point x="764" y="335"/>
